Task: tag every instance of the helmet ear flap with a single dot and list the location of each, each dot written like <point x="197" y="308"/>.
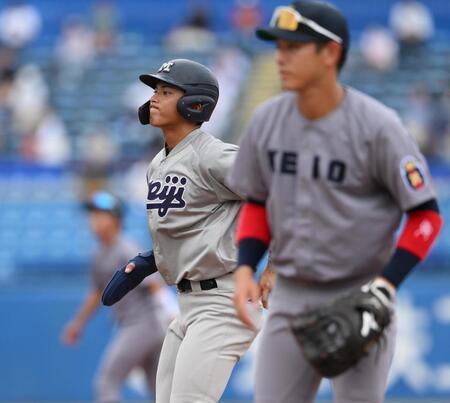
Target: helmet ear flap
<point x="185" y="107"/>
<point x="144" y="113"/>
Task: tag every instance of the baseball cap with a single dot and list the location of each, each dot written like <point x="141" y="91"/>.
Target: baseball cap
<point x="307" y="21"/>
<point x="104" y="201"/>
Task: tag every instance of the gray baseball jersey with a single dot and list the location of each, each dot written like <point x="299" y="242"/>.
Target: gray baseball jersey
<point x="136" y="306"/>
<point x="192" y="217"/>
<point x="191" y="212"/>
<point x="334" y="188"/>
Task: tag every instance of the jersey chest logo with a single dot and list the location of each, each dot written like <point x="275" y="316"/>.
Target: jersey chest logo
<point x="166" y="195"/>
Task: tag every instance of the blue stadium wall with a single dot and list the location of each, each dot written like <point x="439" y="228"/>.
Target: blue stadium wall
<point x="35" y="366"/>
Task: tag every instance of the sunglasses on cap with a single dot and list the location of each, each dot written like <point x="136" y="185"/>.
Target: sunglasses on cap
<point x="289" y="19"/>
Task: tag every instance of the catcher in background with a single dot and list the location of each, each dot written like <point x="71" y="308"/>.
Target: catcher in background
<point x="140" y="313"/>
<point x="328" y="173"/>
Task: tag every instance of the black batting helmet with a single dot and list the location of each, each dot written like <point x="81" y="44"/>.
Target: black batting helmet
<point x="196" y="80"/>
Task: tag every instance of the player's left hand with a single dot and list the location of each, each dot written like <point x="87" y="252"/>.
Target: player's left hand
<point x="266" y="281"/>
<point x="246" y="290"/>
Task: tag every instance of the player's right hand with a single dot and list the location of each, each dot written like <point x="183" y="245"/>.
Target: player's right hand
<point x="246" y="289"/>
<point x="72" y="332"/>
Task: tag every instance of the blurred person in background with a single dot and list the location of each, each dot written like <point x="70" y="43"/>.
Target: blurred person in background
<point x="74" y="52"/>
<point x="6" y="137"/>
<point x="20" y="24"/>
<point x="416" y="115"/>
<point x="413" y="25"/>
<point x="439" y="123"/>
<point x="379" y="49"/>
<point x="52" y="144"/>
<point x="141" y="326"/>
<point x="106" y="25"/>
<point x="27" y="101"/>
<point x="246" y="15"/>
<point x="195" y="35"/>
<point x="98" y="154"/>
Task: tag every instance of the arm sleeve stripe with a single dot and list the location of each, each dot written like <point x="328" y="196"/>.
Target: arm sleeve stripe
<point x="253" y="223"/>
<point x="431" y="205"/>
<point x="400" y="265"/>
<point x="421" y="230"/>
<point x="250" y="252"/>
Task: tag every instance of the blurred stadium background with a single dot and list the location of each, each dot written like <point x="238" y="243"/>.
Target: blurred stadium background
<point x="68" y="126"/>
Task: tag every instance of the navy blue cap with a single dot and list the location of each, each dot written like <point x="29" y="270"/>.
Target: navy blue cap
<point x="307" y="21"/>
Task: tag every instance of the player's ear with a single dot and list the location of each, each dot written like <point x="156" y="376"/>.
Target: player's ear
<point x="144" y="113"/>
<point x="332" y="53"/>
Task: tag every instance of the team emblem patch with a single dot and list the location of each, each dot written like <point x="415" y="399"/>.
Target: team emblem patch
<point x="165" y="67"/>
<point x="412" y="173"/>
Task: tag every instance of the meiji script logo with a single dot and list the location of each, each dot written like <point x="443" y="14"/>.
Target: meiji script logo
<point x="164" y="196"/>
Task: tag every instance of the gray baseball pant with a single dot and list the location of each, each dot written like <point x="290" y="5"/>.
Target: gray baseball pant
<point x="136" y="345"/>
<point x="202" y="345"/>
<point x="282" y="373"/>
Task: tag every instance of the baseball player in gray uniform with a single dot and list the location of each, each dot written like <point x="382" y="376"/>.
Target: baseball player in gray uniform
<point x="192" y="216"/>
<point x="140" y="334"/>
<point x="328" y="173"/>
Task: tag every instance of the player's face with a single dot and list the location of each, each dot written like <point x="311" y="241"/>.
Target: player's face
<point x="300" y="65"/>
<point x="163" y="108"/>
<point x="103" y="224"/>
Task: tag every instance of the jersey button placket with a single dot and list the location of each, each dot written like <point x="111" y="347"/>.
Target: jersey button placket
<point x="303" y="202"/>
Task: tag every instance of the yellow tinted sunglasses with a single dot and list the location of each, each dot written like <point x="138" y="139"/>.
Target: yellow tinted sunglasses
<point x="289" y="19"/>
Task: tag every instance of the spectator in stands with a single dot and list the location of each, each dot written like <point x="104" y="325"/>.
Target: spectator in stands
<point x="74" y="52"/>
<point x="52" y="144"/>
<point x="412" y="23"/>
<point x="28" y="100"/>
<point x="6" y="138"/>
<point x="20" y="23"/>
<point x="141" y="328"/>
<point x="439" y="124"/>
<point x="416" y="115"/>
<point x="98" y="154"/>
<point x="378" y="48"/>
<point x="195" y="35"/>
<point x="231" y="68"/>
<point x="246" y="15"/>
<point x="105" y="24"/>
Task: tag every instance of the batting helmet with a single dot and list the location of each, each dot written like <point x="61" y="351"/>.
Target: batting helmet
<point x="196" y="80"/>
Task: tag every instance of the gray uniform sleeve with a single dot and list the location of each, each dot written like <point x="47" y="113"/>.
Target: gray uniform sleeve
<point x="246" y="177"/>
<point x="216" y="162"/>
<point x="400" y="166"/>
<point x="95" y="274"/>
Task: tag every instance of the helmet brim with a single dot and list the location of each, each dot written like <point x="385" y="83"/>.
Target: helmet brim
<point x="152" y="79"/>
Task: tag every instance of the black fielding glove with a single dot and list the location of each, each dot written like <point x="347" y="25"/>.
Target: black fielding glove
<point x="336" y="336"/>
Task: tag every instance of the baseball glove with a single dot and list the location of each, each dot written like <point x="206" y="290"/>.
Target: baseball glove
<point x="335" y="337"/>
